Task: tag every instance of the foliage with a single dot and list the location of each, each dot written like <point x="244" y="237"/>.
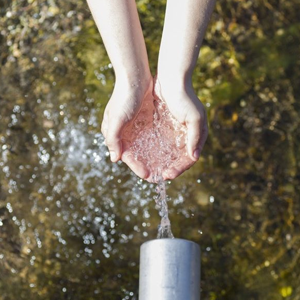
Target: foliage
<point x="55" y="80"/>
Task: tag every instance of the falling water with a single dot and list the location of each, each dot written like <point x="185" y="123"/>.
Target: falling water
<point x="164" y="228"/>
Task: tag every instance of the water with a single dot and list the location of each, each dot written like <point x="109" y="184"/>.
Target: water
<point x="164" y="228"/>
<point x="157" y="140"/>
<point x="72" y="222"/>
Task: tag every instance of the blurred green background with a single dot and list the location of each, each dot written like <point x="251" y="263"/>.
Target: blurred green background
<point x="71" y="223"/>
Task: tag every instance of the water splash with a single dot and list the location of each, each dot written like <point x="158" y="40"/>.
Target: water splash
<point x="156" y="138"/>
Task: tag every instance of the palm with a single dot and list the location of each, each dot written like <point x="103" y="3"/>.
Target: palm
<point x="154" y="143"/>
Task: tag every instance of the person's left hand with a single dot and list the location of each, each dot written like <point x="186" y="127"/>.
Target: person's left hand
<point x="122" y="108"/>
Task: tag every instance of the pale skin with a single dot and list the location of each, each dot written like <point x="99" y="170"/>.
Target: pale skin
<point x="184" y="29"/>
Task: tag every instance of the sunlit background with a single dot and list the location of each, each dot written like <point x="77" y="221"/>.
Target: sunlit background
<point x="71" y="222"/>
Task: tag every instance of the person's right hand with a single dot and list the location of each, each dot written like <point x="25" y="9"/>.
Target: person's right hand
<point x="186" y="107"/>
<point x="122" y="108"/>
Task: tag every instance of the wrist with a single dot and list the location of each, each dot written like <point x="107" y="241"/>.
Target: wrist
<point x="173" y="82"/>
<point x="137" y="79"/>
<point x="132" y="69"/>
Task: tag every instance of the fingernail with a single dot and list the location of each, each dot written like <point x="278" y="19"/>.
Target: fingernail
<point x="112" y="156"/>
<point x="196" y="154"/>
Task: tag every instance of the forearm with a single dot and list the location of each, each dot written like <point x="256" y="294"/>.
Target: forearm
<point x="119" y="26"/>
<point x="185" y="25"/>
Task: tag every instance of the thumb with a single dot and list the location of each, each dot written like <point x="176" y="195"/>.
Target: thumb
<point x="113" y="139"/>
<point x="197" y="135"/>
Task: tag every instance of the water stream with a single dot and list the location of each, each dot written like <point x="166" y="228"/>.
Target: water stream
<point x="164" y="228"/>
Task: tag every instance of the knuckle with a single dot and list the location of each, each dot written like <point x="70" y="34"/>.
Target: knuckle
<point x="104" y="124"/>
<point x="110" y="143"/>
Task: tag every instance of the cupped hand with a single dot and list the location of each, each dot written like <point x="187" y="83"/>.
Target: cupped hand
<point x="122" y="108"/>
<point x="186" y="108"/>
<point x="130" y="133"/>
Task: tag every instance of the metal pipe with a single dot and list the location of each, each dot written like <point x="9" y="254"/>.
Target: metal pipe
<point x="169" y="270"/>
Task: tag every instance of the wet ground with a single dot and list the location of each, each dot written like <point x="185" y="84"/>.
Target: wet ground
<point x="71" y="222"/>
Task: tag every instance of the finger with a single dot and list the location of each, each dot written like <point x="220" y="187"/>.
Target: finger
<point x="184" y="164"/>
<point x="113" y="138"/>
<point x="194" y="128"/>
<point x="171" y="173"/>
<point x="203" y="137"/>
<point x="104" y="125"/>
<point x="136" y="166"/>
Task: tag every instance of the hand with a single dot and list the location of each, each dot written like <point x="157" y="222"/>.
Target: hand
<point x="154" y="143"/>
<point x="122" y="108"/>
<point x="185" y="106"/>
